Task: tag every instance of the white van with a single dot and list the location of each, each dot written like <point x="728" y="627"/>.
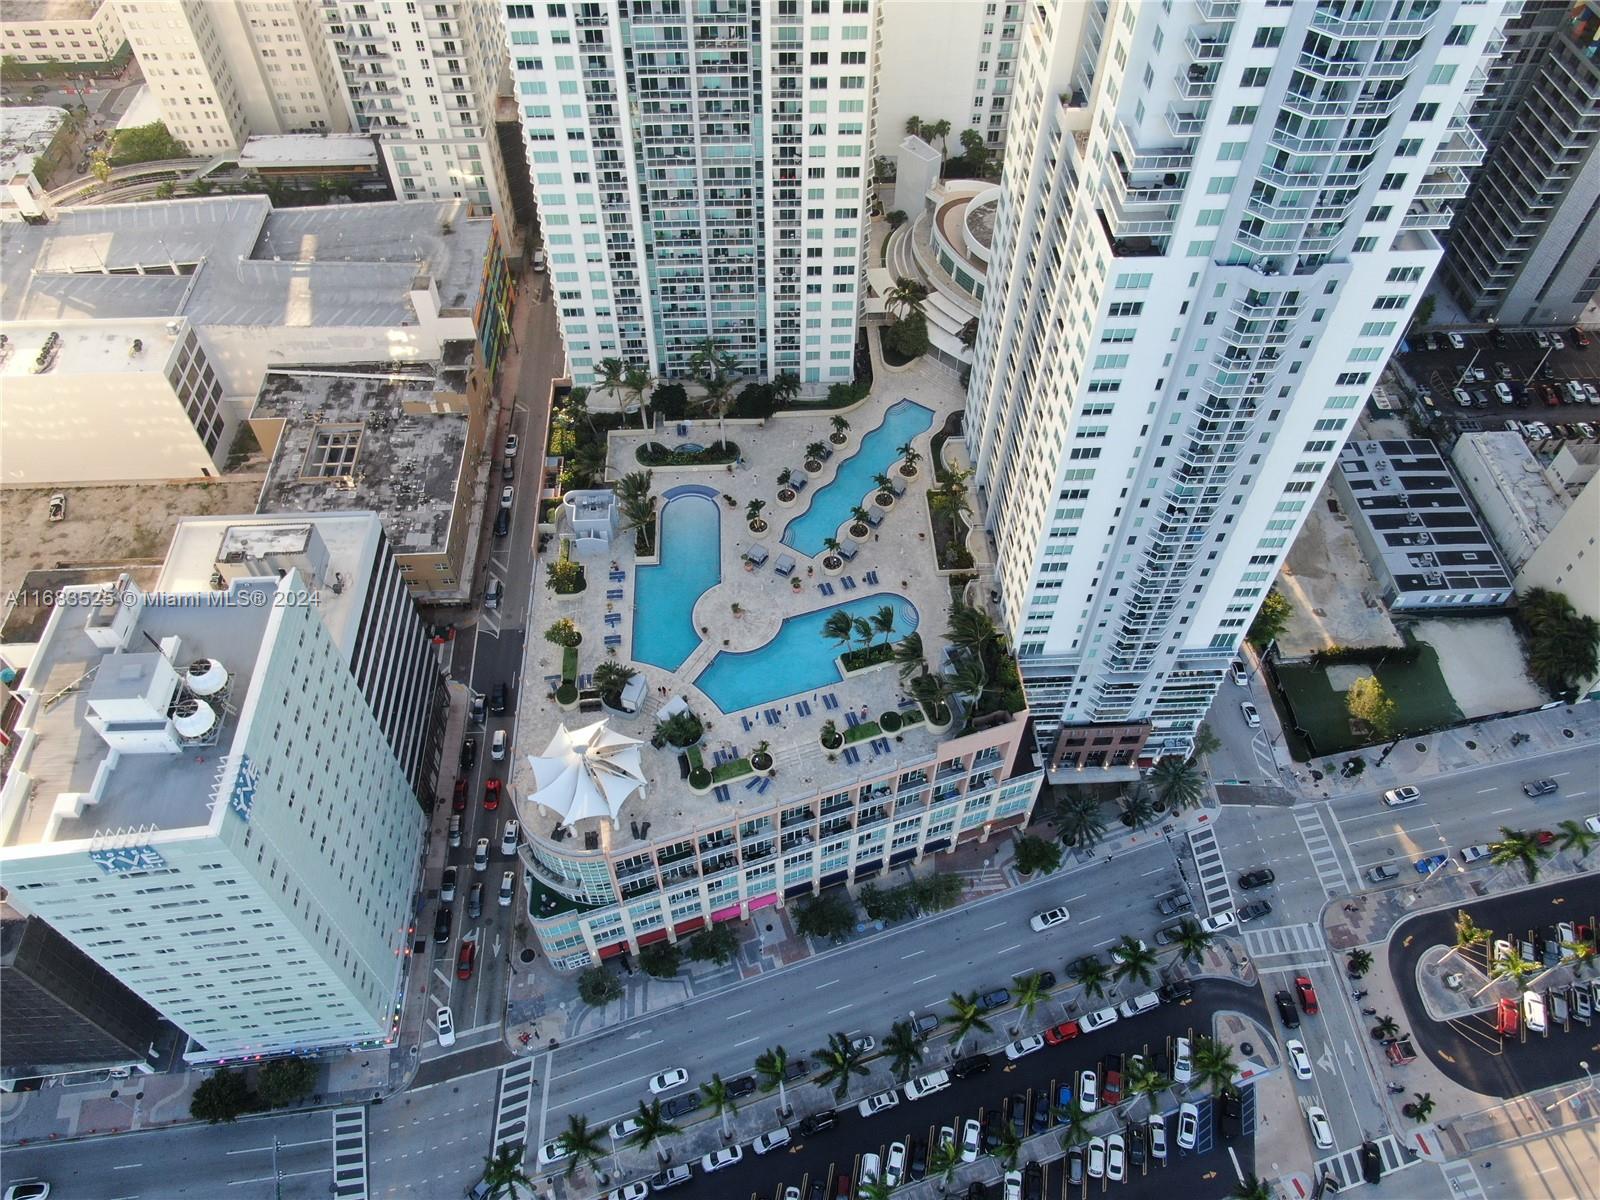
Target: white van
<point x="1137" y="1005"/>
<point x="770" y="1141"/>
<point x="927" y="1085"/>
<point x="1533" y="1012"/>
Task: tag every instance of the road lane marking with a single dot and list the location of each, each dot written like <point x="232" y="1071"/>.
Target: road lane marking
<point x="840" y="1009"/>
<point x="820" y="986"/>
<point x="126" y="1166"/>
<point x="996" y="925"/>
<point x="1487" y="791"/>
<point x="746" y="1042"/>
<point x="1009" y="949"/>
<point x="613" y="1058"/>
<point x="913" y="954"/>
<point x="737" y="1015"/>
<point x="1497" y="811"/>
<point x="925" y="979"/>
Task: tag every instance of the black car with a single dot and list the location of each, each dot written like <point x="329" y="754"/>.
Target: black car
<point x="818" y="1122"/>
<point x="497" y="700"/>
<point x="1371" y="1162"/>
<point x="917" y="1158"/>
<point x="1249" y="912"/>
<point x="1541" y="787"/>
<point x="1078" y="965"/>
<point x="1137" y="1153"/>
<point x="1257" y="878"/>
<point x="469" y="753"/>
<point x="742" y="1086"/>
<point x="1041" y="1111"/>
<point x="1230" y="1117"/>
<point x="1047" y="979"/>
<point x="972" y="1064"/>
<point x="1175" y="992"/>
<point x="798" y="1068"/>
<point x="476" y="710"/>
<point x="1033" y="1182"/>
<point x="681" y="1106"/>
<point x="990" y="1001"/>
<point x="502" y="522"/>
<point x="1017" y="1113"/>
<point x="441" y="925"/>
<point x="991" y="1130"/>
<point x="1287" y="1012"/>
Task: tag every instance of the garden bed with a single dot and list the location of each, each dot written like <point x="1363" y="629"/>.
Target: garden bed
<point x="860" y="733"/>
<point x="654" y="454"/>
<point x="949" y="539"/>
<point x="867" y="656"/>
<point x="736" y="769"/>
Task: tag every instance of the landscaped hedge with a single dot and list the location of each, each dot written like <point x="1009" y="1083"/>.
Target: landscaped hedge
<point x="654" y="454"/>
<point x="867" y="656"/>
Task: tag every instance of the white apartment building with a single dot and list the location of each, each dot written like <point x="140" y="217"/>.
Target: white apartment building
<point x="426" y="76"/>
<point x="63" y="31"/>
<point x="946" y="60"/>
<point x="702" y="171"/>
<point x="201" y="800"/>
<point x="1198" y="272"/>
<point x="222" y="71"/>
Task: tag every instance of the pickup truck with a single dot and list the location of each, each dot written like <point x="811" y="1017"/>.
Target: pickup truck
<point x="1111" y="1081"/>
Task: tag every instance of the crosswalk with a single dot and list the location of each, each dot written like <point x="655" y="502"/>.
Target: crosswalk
<point x="1324" y="856"/>
<point x="515" y="1105"/>
<point x="350" y="1153"/>
<point x="1463" y="1179"/>
<point x="1346" y="1168"/>
<point x="1297" y="941"/>
<point x="1211" y="870"/>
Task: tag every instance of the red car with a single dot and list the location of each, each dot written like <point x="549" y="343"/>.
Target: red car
<point x="1063" y="1032"/>
<point x="1308" y="994"/>
<point x="469" y="952"/>
<point x="1580" y="339"/>
<point x="1544" y="836"/>
<point x="458" y="803"/>
<point x="491" y="794"/>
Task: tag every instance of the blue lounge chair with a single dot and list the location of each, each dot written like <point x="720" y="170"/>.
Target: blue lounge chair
<point x="745" y="722"/>
<point x="848" y="583"/>
<point x="753" y="783"/>
<point x="765" y="784"/>
<point x="851" y="720"/>
<point x="613" y="639"/>
<point x="721" y="793"/>
<point x="614" y="594"/>
<point x="872" y="578"/>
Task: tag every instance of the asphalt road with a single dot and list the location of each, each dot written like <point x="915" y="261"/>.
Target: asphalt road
<point x="826" y="1156"/>
<point x="1466" y="1056"/>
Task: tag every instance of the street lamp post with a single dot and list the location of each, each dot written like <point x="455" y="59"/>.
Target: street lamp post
<point x="1588" y="1084"/>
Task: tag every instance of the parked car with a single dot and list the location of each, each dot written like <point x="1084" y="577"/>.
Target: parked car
<point x="1116" y="1158"/>
<point x="1430" y="864"/>
<point x="1088" y="1091"/>
<point x="502" y="522"/>
<point x="767" y="1142"/>
<point x="1230" y="1116"/>
<point x="1173" y="903"/>
<point x="1472" y="854"/>
<point x="1111" y="1081"/>
<point x="1182" y="1063"/>
<point x="1298" y="1058"/>
<point x="1306" y="993"/>
<point x="441" y="926"/>
<point x="497" y="745"/>
<point x="445" y="1023"/>
<point x="881" y="1102"/>
<point x="990" y="1001"/>
<point x="1383" y="873"/>
<point x="721" y="1160"/>
<point x="508" y="888"/>
<point x="1097" y="1158"/>
<point x="491" y="794"/>
<point x="1063" y="1032"/>
<point x="674" y="1176"/>
<point x="818" y="1123"/>
<point x="511" y="445"/>
<point x="475" y="902"/>
<point x="1218" y="921"/>
<point x="1260" y="877"/>
<point x="1023" y="1047"/>
<point x="972" y="1064"/>
<point x="1457" y="342"/>
<point x="480" y="855"/>
<point x="447" y="886"/>
<point x="927" y="1085"/>
<point x="676" y="1107"/>
<point x="1098" y="1019"/>
<point x="1188" y="1126"/>
<point x="509" y="837"/>
<point x="894" y="1165"/>
<point x="666" y="1081"/>
<point x="971" y="1143"/>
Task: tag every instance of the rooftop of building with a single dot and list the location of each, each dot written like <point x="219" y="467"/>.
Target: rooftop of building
<point x="18" y="11"/>
<point x="307" y="149"/>
<point x="123" y="347"/>
<point x="349" y="444"/>
<point x="67" y="757"/>
<point x="26" y="133"/>
<point x="234" y="260"/>
<point x="1518" y="477"/>
<point x="34" y="597"/>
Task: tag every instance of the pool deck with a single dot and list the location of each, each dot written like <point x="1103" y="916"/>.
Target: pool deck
<point x="901" y="554"/>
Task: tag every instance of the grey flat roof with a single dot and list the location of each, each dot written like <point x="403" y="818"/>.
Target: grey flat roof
<point x="241" y="263"/>
<point x="406" y="466"/>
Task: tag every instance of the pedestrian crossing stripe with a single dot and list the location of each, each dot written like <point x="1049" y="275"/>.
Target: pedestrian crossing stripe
<point x="1321" y="850"/>
<point x="1210" y="869"/>
<point x="1346" y="1167"/>
<point x="1463" y="1179"/>
<point x="515" y="1105"/>
<point x="1269" y="941"/>
<point x="350" y="1153"/>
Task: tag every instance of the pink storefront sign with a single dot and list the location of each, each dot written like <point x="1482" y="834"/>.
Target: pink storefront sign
<point x="725" y="914"/>
<point x="764" y="902"/>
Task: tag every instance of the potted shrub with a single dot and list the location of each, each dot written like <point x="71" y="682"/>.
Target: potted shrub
<point x="841" y="429"/>
<point x="890" y="722"/>
<point x="761" y="757"/>
<point x="564" y="633"/>
<point x="700" y="779"/>
<point x="885" y="496"/>
<point x="831" y="738"/>
<point x="752" y="516"/>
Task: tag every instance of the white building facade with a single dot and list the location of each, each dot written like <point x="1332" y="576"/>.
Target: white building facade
<point x="1216" y="218"/>
<point x="64" y="31"/>
<point x="701" y="173"/>
<point x="202" y="802"/>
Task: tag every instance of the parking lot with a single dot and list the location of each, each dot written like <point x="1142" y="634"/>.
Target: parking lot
<point x="1535" y="379"/>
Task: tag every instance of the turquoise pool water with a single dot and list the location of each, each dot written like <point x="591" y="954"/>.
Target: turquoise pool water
<point x="664" y="595"/>
<point x="798" y="659"/>
<point x="831" y="504"/>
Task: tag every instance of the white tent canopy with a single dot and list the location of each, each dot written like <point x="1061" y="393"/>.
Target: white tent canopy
<point x="587" y="772"/>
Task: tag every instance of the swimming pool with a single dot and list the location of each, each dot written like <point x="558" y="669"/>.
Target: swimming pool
<point x="691" y="563"/>
<point x="831" y="504"/>
<point x="798" y="658"/>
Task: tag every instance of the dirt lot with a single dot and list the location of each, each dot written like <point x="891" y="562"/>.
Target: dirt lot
<point x="108" y="524"/>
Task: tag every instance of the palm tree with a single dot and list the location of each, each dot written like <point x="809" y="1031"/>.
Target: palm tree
<point x="1518" y="846"/>
<point x="970" y="677"/>
<point x="610" y="677"/>
<point x="1078" y="819"/>
<point x="883" y="622"/>
<point x="908" y="654"/>
<point x="1145" y="1080"/>
<point x="785" y="387"/>
<point x="652" y="1128"/>
<point x="906" y="294"/>
<point x="1075" y="1120"/>
<point x="1213" y="1064"/>
<point x="1515" y="968"/>
<point x="612" y="371"/>
<point x="636" y="383"/>
<point x="904" y="1049"/>
<point x="1468" y="934"/>
<point x="785" y="477"/>
<point x="772" y="1066"/>
<point x="580" y="1143"/>
<point x="939" y="129"/>
<point x="914" y="126"/>
<point x="1030" y="993"/>
<point x="1387" y="1027"/>
<point x="944" y="1159"/>
<point x="752" y="511"/>
<point x="883" y="483"/>
<point x="1419" y="1108"/>
<point x="875" y="1189"/>
<point x="840" y="427"/>
<point x="970" y="629"/>
<point x="908" y="455"/>
<point x="1252" y="1187"/>
<point x="863" y="628"/>
<point x="1138" y="809"/>
<point x="1091" y="975"/>
<point x="966" y="1015"/>
<point x="1009" y="1149"/>
<point x="721" y="1102"/>
<point x="503" y="1174"/>
<point x="817" y="451"/>
<point x="1359" y="962"/>
<point x="858" y="515"/>
<point x="634" y="499"/>
<point x="839" y="628"/>
<point x="1134" y="960"/>
<point x="1574" y="835"/>
<point x="839" y="1061"/>
<point x="1192" y="940"/>
<point x="1177" y="784"/>
<point x="930" y="691"/>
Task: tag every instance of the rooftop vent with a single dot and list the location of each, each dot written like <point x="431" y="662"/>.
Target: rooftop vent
<point x="193" y="719"/>
<point x="205" y="677"/>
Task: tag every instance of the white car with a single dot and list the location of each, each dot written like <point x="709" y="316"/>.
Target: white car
<point x="1011" y="1187"/>
<point x="667" y="1080"/>
<point x="1298" y="1059"/>
<point x="1557" y="342"/>
<point x="1182" y="1061"/>
<point x="1098" y="1019"/>
<point x="507" y="495"/>
<point x="894" y="1167"/>
<point x="1097" y="1158"/>
<point x="1188" y="1126"/>
<point x="552" y="1152"/>
<point x="624" y="1129"/>
<point x="511" y="445"/>
<point x="480" y="855"/>
<point x="1473" y="853"/>
<point x="1321" y="1130"/>
<point x="1116" y="1158"/>
<point x="927" y="1085"/>
<point x="446" y="1025"/>
<point x="1395" y="797"/>
<point x="1116" y="951"/>
<point x="1251" y="717"/>
<point x="1457" y="342"/>
<point x="882" y="1102"/>
<point x="497" y="745"/>
<point x="1217" y="922"/>
<point x="1592" y="824"/>
<point x="865" y="1044"/>
<point x="1158" y="1137"/>
<point x="871" y="1169"/>
<point x="1088" y="1091"/>
<point x="508" y="888"/>
<point x="509" y="837"/>
<point x="971" y="1140"/>
<point x="1023" y="1047"/>
<point x="1049" y="919"/>
<point x="720" y="1160"/>
<point x="637" y="1190"/>
<point x="771" y="1140"/>
<point x="1237" y="673"/>
<point x="1533" y="1012"/>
